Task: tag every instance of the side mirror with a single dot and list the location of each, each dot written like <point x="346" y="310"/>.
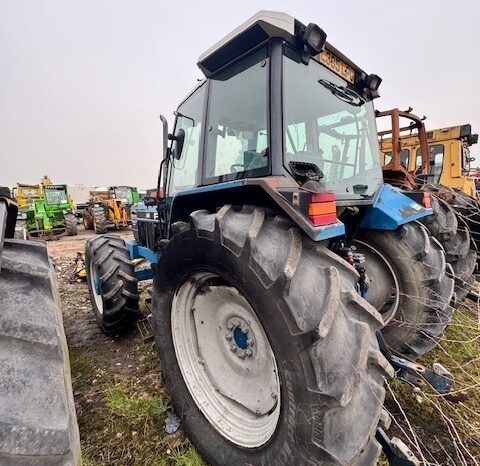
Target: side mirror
<point x="178" y="141"/>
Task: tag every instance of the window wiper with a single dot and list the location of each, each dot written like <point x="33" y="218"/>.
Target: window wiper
<point x="347" y="95"/>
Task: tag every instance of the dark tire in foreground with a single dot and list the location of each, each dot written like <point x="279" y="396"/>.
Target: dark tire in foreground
<point x="411" y="285"/>
<point x="99" y="220"/>
<point x="71" y="224"/>
<point x="111" y="283"/>
<point x="38" y="425"/>
<point x="269" y="353"/>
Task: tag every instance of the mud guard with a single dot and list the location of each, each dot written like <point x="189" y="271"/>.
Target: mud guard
<point x="391" y="209"/>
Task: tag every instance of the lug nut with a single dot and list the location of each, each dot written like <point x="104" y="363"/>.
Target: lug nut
<point x="250" y="342"/>
<point x="244" y="331"/>
<point x="230" y="326"/>
<point x="274" y="396"/>
<point x="249" y="353"/>
<point x="233" y="348"/>
<point x="236" y="323"/>
<point x="228" y="336"/>
<point x="241" y="354"/>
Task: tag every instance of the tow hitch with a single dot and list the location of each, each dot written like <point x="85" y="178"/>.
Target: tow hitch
<point x="397" y="453"/>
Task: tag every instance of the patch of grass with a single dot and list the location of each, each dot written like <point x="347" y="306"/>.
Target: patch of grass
<point x="189" y="457"/>
<point x="81" y="366"/>
<point x="134" y="406"/>
<point x="441" y="423"/>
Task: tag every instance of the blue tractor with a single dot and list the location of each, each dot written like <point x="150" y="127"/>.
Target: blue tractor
<point x="278" y="256"/>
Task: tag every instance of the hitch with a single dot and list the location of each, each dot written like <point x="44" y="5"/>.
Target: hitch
<point x="438" y="377"/>
<point x="416" y="374"/>
<point x="397" y="453"/>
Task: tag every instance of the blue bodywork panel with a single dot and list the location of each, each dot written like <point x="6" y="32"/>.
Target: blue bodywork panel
<point x="137" y="252"/>
<point x="329" y="231"/>
<point x="391" y="209"/>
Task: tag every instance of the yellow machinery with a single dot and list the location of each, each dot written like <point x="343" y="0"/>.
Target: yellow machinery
<point x="449" y="156"/>
<point x="106" y="209"/>
<point x="23" y="192"/>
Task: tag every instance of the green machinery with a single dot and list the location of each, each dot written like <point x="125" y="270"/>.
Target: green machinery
<point x="45" y="211"/>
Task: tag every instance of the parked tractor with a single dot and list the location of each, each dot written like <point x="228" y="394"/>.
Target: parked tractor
<point x="423" y="160"/>
<point x="278" y="254"/>
<point x="109" y="208"/>
<point x="37" y="410"/>
<point x="46" y="210"/>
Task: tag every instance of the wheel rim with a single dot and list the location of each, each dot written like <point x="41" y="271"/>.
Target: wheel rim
<point x="96" y="287"/>
<point x="226" y="360"/>
<point x="384" y="290"/>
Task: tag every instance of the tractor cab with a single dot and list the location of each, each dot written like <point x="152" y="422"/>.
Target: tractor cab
<point x="283" y="118"/>
<point x="56" y="195"/>
<point x="128" y="194"/>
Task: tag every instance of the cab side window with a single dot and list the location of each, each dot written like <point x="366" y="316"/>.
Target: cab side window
<point x="237" y="135"/>
<point x="189" y="118"/>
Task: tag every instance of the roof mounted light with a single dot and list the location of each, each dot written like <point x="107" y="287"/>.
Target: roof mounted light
<point x="314" y="38"/>
<point x="373" y="82"/>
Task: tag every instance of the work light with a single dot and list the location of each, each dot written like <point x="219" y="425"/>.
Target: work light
<point x="314" y="38"/>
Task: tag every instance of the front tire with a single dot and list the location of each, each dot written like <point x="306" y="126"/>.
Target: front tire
<point x="71" y="224"/>
<point x="111" y="283"/>
<point x="411" y="286"/>
<point x="246" y="269"/>
<point x="99" y="220"/>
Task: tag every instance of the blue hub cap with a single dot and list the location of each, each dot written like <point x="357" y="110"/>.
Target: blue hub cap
<point x="240" y="338"/>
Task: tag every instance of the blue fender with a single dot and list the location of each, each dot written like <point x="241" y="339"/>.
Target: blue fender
<point x="390" y="209"/>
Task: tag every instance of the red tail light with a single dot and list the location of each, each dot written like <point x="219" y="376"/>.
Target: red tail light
<point x="322" y="209"/>
<point x="426" y="201"/>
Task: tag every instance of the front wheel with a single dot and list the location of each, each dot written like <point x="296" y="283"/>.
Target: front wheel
<point x="269" y="353"/>
<point x="70" y="224"/>
<point x="99" y="220"/>
<point x="111" y="283"/>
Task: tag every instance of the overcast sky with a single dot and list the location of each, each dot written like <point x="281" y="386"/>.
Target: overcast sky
<point x="82" y="82"/>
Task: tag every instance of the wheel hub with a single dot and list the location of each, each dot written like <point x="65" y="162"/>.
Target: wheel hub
<point x="226" y="360"/>
<point x="241" y="337"/>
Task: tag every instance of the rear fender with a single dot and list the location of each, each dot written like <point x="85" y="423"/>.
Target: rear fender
<point x="391" y="209"/>
<point x="264" y="192"/>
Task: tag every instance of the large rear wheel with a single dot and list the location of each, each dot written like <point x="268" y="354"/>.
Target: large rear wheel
<point x="38" y="424"/>
<point x="270" y="354"/>
<point x="411" y="285"/>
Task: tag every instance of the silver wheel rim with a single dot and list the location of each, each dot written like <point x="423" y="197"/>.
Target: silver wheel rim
<point x="94" y="285"/>
<point x="384" y="290"/>
<point x="226" y="360"/>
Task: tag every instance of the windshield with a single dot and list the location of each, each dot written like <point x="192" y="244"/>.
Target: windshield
<point x="56" y="196"/>
<point x="124" y="193"/>
<point x="328" y="124"/>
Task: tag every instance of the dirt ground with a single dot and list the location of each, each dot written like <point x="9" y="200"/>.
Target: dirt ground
<point x="120" y="400"/>
<point x="122" y="405"/>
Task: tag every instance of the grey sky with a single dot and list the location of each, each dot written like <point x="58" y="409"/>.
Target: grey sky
<point x="82" y="83"/>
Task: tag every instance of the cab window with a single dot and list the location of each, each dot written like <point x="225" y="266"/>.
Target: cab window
<point x="436" y="152"/>
<point x="237" y="133"/>
<point x="189" y="118"/>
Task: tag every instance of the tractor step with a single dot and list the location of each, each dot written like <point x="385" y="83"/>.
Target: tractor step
<point x="145" y="329"/>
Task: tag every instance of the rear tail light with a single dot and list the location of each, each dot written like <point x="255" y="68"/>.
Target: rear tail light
<point x="322" y="209"/>
<point x="426" y="201"/>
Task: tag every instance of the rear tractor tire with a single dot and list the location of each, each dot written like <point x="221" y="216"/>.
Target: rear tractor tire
<point x="448" y="227"/>
<point x="99" y="220"/>
<point x="411" y="285"/>
<point x="71" y="224"/>
<point x="269" y="353"/>
<point x="111" y="283"/>
<point x="38" y="424"/>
